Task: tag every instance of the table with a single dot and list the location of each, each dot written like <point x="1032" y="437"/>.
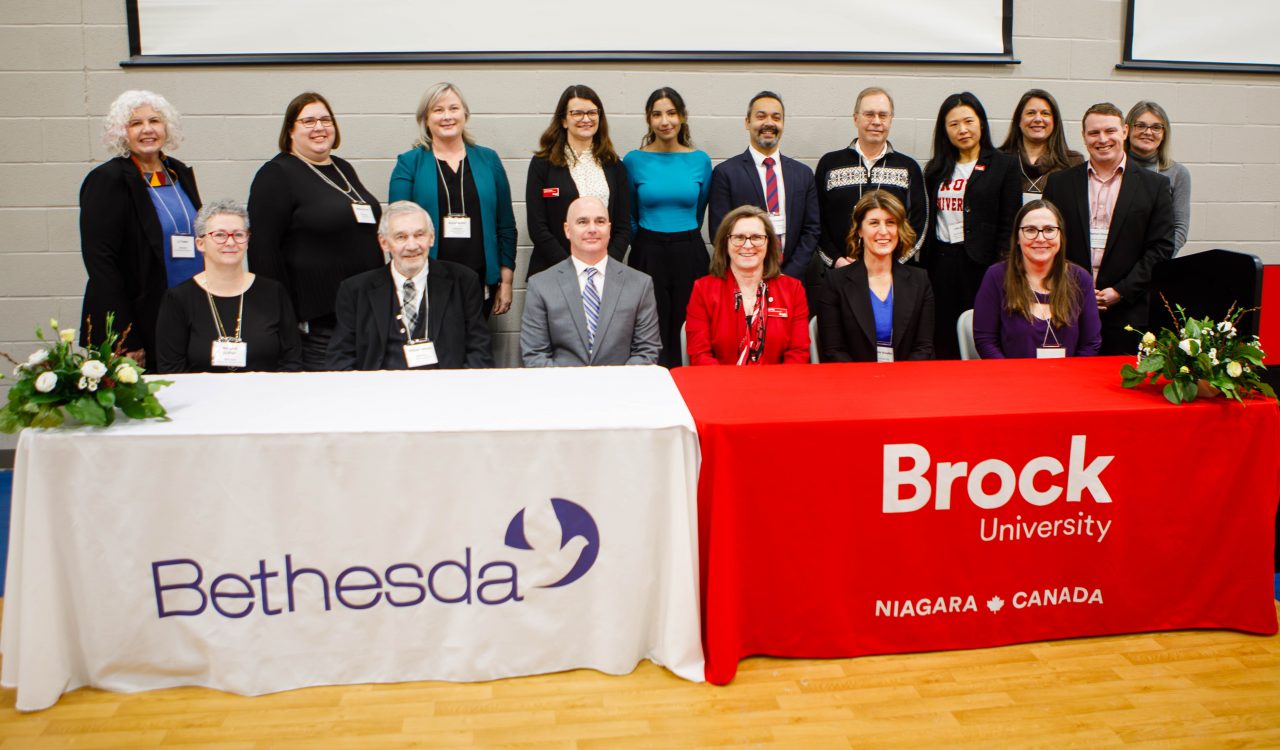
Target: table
<point x="1068" y="506"/>
<point x="284" y="531"/>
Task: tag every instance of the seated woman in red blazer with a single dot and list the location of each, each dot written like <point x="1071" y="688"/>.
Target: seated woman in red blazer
<point x="746" y="312"/>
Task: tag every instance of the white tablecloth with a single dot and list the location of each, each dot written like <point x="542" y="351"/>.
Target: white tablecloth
<point x="358" y="527"/>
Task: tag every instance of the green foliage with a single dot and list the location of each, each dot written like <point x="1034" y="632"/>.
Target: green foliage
<point x="1201" y="350"/>
<point x="63" y="379"/>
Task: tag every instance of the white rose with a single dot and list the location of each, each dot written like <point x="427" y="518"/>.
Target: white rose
<point x="93" y="369"/>
<point x="1233" y="369"/>
<point x="37" y="357"/>
<point x="46" y="382"/>
<point x="1185" y="345"/>
<point x="1225" y="326"/>
<point x="67" y="335"/>
<point x="126" y="374"/>
<point x="1148" y="339"/>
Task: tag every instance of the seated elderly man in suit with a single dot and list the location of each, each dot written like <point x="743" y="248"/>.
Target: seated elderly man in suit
<point x="415" y="312"/>
<point x="589" y="309"/>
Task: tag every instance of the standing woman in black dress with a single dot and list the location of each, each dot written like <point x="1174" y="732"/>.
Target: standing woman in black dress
<point x="224" y="318"/>
<point x="575" y="158"/>
<point x="976" y="191"/>
<point x="314" y="222"/>
<point x="137" y="222"/>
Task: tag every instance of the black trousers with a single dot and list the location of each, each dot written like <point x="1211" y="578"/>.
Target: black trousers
<point x="955" y="278"/>
<point x="674" y="260"/>
<point x="315" y="343"/>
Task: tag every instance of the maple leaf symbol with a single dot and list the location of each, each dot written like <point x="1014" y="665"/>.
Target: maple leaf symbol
<point x="995" y="604"/>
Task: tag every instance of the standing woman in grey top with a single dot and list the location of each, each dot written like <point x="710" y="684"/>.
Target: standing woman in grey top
<point x="1148" y="144"/>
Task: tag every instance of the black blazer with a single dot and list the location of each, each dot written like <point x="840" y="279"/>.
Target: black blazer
<point x="847" y="326"/>
<point x="1141" y="234"/>
<point x="992" y="198"/>
<point x="123" y="250"/>
<point x="365" y="307"/>
<point x="547" y="194"/>
<point x="736" y="182"/>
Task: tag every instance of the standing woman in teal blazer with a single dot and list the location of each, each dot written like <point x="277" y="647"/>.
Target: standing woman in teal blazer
<point x="465" y="190"/>
<point x="670" y="181"/>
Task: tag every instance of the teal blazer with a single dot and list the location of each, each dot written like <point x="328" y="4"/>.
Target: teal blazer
<point x="414" y="179"/>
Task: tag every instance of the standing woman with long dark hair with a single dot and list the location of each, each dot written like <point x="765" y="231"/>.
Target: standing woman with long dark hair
<point x="976" y="193"/>
<point x="575" y="158"/>
<point x="669" y="181"/>
<point x="314" y="223"/>
<point x="1037" y="140"/>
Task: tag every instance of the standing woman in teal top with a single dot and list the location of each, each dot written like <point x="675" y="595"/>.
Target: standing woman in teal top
<point x="669" y="181"/>
<point x="465" y="190"/>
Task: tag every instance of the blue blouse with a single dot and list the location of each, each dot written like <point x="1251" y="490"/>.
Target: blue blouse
<point x="177" y="216"/>
<point x="883" y="311"/>
<point x="668" y="189"/>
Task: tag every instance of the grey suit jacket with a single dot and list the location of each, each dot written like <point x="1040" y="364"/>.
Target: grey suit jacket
<point x="553" y="329"/>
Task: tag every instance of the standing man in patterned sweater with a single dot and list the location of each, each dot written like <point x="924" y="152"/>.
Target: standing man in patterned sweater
<point x="869" y="163"/>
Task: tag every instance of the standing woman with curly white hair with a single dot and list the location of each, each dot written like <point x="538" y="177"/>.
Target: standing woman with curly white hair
<point x="137" y="222"/>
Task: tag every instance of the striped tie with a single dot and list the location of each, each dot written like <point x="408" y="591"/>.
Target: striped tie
<point x="770" y="185"/>
<point x="591" y="306"/>
<point x="408" y="309"/>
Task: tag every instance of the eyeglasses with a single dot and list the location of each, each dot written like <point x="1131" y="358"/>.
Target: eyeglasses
<point x="240" y="236"/>
<point x="584" y="114"/>
<point x="738" y="240"/>
<point x="1154" y="127"/>
<point x="311" y="122"/>
<point x="873" y="116"/>
<point x="1030" y="232"/>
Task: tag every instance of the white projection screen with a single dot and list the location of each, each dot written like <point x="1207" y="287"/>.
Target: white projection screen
<point x="1193" y="34"/>
<point x="282" y="31"/>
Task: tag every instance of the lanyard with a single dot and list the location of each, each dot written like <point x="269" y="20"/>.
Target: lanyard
<point x="350" y="192"/>
<point x="462" y="183"/>
<point x="752" y="344"/>
<point x="217" y="320"/>
<point x="1033" y="186"/>
<point x="173" y="183"/>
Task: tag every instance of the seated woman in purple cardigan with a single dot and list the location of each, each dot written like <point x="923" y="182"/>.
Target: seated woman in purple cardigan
<point x="1035" y="303"/>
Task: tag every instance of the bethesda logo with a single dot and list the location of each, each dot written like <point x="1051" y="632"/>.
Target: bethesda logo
<point x="1081" y="477"/>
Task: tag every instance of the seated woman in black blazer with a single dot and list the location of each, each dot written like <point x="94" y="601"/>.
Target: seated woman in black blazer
<point x="575" y="158"/>
<point x="874" y="308"/>
<point x="226" y="319"/>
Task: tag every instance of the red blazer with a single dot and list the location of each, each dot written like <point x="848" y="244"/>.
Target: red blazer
<point x="713" y="329"/>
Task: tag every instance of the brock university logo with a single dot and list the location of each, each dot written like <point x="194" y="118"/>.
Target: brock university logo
<point x="565" y="539"/>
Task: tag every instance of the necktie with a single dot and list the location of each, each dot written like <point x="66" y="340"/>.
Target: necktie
<point x="409" y="309"/>
<point x="591" y="306"/>
<point x="770" y="185"/>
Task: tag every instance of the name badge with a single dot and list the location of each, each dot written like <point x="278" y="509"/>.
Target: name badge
<point x="364" y="213"/>
<point x="777" y="312"/>
<point x="1050" y="352"/>
<point x="182" y="245"/>
<point x="956" y="230"/>
<point x="420" y="354"/>
<point x="551" y="192"/>
<point x="779" y="224"/>
<point x="229" y="353"/>
<point x="884" y="353"/>
<point x="1097" y="237"/>
<point x="457" y="226"/>
<point x="1028" y="197"/>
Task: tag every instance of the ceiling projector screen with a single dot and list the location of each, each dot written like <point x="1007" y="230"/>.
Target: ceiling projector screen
<point x="255" y="31"/>
<point x="1192" y="34"/>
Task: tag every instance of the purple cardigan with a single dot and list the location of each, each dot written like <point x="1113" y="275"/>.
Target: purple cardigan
<point x="1000" y="333"/>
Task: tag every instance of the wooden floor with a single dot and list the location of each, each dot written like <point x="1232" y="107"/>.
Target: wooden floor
<point x="1184" y="689"/>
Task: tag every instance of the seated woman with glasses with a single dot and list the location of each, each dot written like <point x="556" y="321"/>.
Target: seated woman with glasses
<point x="1034" y="303"/>
<point x="875" y="308"/>
<point x="575" y="158"/>
<point x="226" y="319"/>
<point x="746" y="312"/>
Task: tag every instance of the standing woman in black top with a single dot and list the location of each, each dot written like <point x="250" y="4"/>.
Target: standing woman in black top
<point x="224" y="318"/>
<point x="976" y="192"/>
<point x="137" y="214"/>
<point x="1037" y="140"/>
<point x="314" y="223"/>
<point x="575" y="158"/>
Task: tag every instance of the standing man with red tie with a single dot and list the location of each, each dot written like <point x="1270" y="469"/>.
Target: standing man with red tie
<point x="763" y="177"/>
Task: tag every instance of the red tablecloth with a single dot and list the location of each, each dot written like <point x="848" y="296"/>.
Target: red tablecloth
<point x="812" y="544"/>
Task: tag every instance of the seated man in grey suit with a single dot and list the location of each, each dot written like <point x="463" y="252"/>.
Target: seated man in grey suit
<point x="588" y="309"/>
<point x="412" y="313"/>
